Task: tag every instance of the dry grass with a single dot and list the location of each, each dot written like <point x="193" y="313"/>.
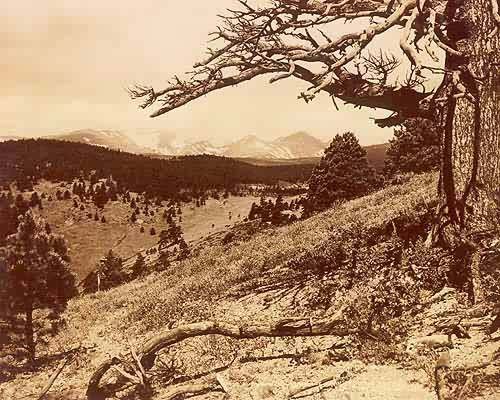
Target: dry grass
<point x="90" y="240"/>
<point x="187" y="290"/>
<point x="197" y="288"/>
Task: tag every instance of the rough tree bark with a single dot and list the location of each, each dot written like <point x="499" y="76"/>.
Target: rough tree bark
<point x="471" y="142"/>
<point x="292" y="327"/>
<point x="469" y="120"/>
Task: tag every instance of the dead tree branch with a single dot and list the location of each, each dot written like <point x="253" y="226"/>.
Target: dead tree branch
<point x="285" y="38"/>
<point x="147" y="354"/>
<point x="53" y="377"/>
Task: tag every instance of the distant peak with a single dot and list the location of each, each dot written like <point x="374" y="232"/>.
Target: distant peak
<point x="299" y="135"/>
<point x="252" y="136"/>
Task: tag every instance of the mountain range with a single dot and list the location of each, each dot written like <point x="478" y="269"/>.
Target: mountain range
<point x="111" y="139"/>
<point x="299" y="145"/>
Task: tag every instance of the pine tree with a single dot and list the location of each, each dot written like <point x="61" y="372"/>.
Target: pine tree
<point x="100" y="197"/>
<point x="254" y="209"/>
<point x="164" y="238"/>
<point x="110" y="271"/>
<point x="183" y="249"/>
<point x="277" y="217"/>
<point x="35" y="273"/>
<point x="139" y="266"/>
<point x="414" y="148"/>
<point x="342" y="173"/>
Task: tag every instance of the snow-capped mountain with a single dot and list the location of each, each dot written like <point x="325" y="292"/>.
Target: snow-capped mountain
<point x="297" y="145"/>
<point x="202" y="147"/>
<point x="252" y="147"/>
<point x="106" y="138"/>
<point x="302" y="145"/>
<point x="6" y="138"/>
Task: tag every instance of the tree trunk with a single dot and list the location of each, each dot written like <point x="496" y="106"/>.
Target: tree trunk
<point x="474" y="120"/>
<point x="469" y="120"/>
<point x="28" y="332"/>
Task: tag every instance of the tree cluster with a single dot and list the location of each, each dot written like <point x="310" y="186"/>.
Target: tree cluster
<point x="274" y="213"/>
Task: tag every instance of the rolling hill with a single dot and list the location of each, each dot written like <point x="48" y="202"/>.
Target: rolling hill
<point x="42" y="158"/>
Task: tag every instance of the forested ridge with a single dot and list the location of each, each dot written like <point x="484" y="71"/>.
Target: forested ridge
<point x="28" y="160"/>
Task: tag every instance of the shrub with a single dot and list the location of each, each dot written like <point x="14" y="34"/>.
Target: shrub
<point x="139" y="266"/>
<point x="110" y="270"/>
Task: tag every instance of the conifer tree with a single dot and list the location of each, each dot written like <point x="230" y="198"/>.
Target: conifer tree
<point x="139" y="266"/>
<point x="35" y="200"/>
<point x="110" y="271"/>
<point x="414" y="148"/>
<point x="342" y="173"/>
<point x="35" y="273"/>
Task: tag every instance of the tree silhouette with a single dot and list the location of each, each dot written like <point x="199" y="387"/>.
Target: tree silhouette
<point x="342" y="173"/>
<point x="110" y="271"/>
<point x="139" y="266"/>
<point x="35" y="273"/>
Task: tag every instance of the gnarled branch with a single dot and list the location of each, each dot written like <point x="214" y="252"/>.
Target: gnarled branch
<point x="286" y="38"/>
<point x="334" y="325"/>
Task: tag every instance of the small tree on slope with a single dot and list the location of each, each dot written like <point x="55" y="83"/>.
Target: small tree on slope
<point x="35" y="273"/>
<point x="342" y="173"/>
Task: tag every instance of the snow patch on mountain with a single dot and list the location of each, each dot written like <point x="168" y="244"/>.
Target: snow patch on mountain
<point x="297" y="145"/>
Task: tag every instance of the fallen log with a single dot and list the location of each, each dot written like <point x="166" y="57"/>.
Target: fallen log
<point x="291" y="327"/>
<point x="191" y="390"/>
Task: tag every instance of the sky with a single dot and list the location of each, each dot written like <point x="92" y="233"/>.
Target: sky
<point x="65" y="65"/>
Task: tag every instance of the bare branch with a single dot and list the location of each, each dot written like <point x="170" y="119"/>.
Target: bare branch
<point x="286" y="35"/>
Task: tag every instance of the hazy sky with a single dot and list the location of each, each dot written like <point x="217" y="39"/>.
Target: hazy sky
<point x="65" y="65"/>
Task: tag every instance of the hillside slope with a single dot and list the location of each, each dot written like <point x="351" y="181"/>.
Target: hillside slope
<point x="89" y="240"/>
<point x="289" y="271"/>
